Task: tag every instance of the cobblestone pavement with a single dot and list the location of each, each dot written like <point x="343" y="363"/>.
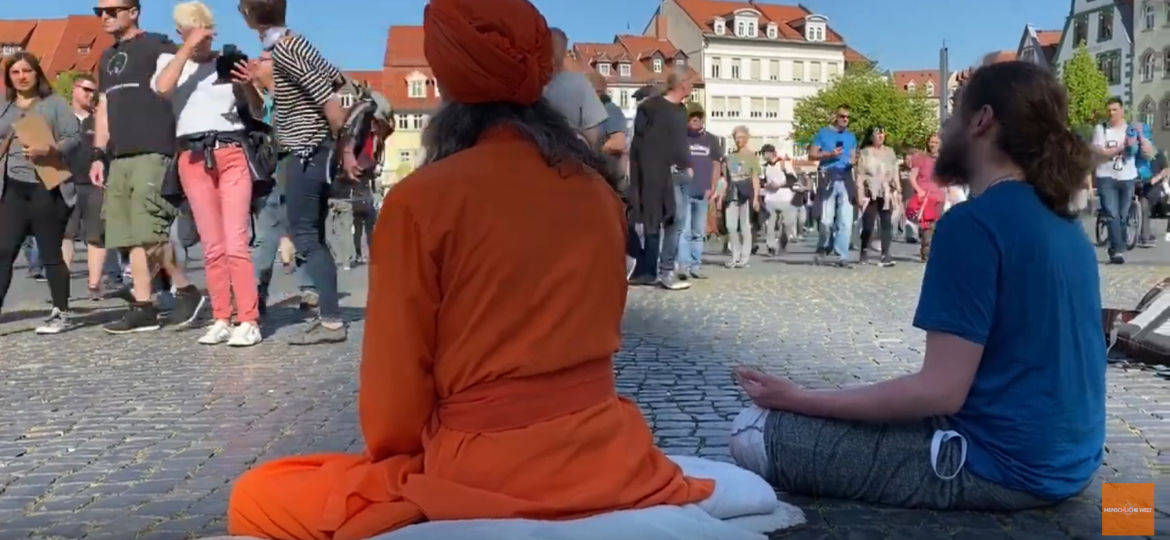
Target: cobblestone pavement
<point x="140" y="436"/>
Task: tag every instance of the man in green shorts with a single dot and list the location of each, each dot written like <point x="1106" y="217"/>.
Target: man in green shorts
<point x="135" y="133"/>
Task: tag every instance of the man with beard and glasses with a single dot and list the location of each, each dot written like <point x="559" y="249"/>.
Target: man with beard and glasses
<point x="134" y="131"/>
<point x="488" y="389"/>
<point x="1008" y="409"/>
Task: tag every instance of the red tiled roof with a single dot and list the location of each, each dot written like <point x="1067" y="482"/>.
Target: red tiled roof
<point x="638" y="51"/>
<point x="372" y="78"/>
<point x="396" y="89"/>
<point x="1048" y="37"/>
<point x="919" y="77"/>
<point x="404" y="47"/>
<point x="16" y="32"/>
<point x="789" y="19"/>
<point x="73" y="43"/>
<point x="854" y="57"/>
<point x="1000" y="56"/>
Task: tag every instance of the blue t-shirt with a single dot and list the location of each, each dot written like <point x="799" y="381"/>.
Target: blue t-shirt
<point x="1008" y="273"/>
<point x="705" y="151"/>
<point x="827" y="139"/>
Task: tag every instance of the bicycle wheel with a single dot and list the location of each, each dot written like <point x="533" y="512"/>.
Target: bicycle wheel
<point x="1133" y="226"/>
<point x="1102" y="231"/>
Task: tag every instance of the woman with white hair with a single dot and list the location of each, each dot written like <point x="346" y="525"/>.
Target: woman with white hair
<point x="743" y="196"/>
<point x="213" y="168"/>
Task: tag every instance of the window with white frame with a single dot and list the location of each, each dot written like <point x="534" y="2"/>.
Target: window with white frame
<point x="1149" y="66"/>
<point x="416" y="88"/>
<point x="657" y="65"/>
<point x="403" y="122"/>
<point x="603" y="69"/>
<point x="720" y="27"/>
<point x="798" y="71"/>
<point x="741" y="28"/>
<point x="680" y="62"/>
<point x="774" y="70"/>
<point x="772" y="108"/>
<point x="814" y="31"/>
<point x="754" y="71"/>
<point x="716" y="67"/>
<point x="734" y="107"/>
<point x="756" y="108"/>
<point x="695" y="95"/>
<point x="624" y="100"/>
<point x="419" y="121"/>
<point x="1148" y="110"/>
<point x="624" y="69"/>
<point x="753" y="29"/>
<point x="773" y="31"/>
<point x="718" y="107"/>
<point x="735" y="68"/>
<point x="911" y="87"/>
<point x="930" y="88"/>
<point x="832" y="70"/>
<point x="1148" y="15"/>
<point x="814" y="72"/>
<point x="9" y="48"/>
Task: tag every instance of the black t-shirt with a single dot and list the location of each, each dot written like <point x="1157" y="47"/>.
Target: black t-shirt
<point x="79" y="159"/>
<point x="141" y="121"/>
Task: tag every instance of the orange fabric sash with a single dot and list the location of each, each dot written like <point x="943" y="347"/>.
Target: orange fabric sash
<point x="508" y="404"/>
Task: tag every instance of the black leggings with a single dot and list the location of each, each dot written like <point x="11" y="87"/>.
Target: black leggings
<point x="363" y="223"/>
<point x="28" y="208"/>
<point x="874" y="211"/>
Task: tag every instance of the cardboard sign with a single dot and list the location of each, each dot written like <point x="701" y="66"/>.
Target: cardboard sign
<point x="34" y="131"/>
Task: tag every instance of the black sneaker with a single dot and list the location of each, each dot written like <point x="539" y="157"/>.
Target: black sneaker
<point x="317" y="334"/>
<point x="641" y="281"/>
<point x="39" y="277"/>
<point x="886" y="262"/>
<point x="864" y="259"/>
<point x="1116" y="259"/>
<point x="142" y="317"/>
<point x="125" y="294"/>
<point x="189" y="301"/>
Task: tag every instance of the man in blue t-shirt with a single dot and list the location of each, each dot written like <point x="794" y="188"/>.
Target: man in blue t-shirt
<point x="1008" y="409"/>
<point x="691" y="199"/>
<point x="835" y="146"/>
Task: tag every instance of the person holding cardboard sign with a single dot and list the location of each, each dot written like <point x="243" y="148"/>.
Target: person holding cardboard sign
<point x="36" y="130"/>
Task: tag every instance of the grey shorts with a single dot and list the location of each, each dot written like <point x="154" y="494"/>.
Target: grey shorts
<point x="886" y="464"/>
<point x="85" y="221"/>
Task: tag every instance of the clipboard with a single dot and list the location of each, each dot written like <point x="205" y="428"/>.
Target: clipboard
<point x="33" y="130"/>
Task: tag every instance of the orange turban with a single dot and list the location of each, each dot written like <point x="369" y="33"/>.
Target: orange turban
<point x="488" y="51"/>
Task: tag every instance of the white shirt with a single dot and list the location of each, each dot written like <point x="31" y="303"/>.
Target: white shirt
<point x="199" y="103"/>
<point x="1121" y="167"/>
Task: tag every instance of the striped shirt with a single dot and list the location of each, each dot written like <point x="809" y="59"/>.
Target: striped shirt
<point x="304" y="81"/>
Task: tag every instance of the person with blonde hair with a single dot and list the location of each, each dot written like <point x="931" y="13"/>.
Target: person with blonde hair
<point x="743" y="196"/>
<point x="213" y="168"/>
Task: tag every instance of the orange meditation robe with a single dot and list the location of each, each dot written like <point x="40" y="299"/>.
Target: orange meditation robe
<point x="486" y="389"/>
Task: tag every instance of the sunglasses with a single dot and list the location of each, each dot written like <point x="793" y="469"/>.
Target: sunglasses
<point x="110" y="12"/>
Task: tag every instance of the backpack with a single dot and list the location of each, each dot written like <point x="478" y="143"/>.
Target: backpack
<point x="362" y="106"/>
<point x="260" y="148"/>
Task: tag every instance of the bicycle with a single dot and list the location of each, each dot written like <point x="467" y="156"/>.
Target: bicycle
<point x="1133" y="223"/>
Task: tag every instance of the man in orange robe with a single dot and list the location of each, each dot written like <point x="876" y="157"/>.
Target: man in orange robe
<point x="497" y="287"/>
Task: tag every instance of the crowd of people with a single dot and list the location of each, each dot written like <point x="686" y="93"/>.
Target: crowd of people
<point x="170" y="145"/>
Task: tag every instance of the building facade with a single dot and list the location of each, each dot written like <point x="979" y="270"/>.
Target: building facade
<point x="1105" y="27"/>
<point x="756" y="59"/>
<point x="630" y="63"/>
<point x="410" y="87"/>
<point x="74" y="43"/>
<point x="1151" y="81"/>
<point x="1038" y="46"/>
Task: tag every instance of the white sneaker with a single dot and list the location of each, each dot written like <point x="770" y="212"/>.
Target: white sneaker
<point x="217" y="333"/>
<point x="1168" y="237"/>
<point x="632" y="263"/>
<point x="245" y="335"/>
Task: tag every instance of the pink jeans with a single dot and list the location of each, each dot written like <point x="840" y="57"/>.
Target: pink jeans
<point x="221" y="201"/>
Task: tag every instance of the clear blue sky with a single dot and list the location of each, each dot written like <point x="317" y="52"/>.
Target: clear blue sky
<point x="899" y="34"/>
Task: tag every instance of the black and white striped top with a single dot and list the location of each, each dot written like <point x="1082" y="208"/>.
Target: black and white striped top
<point x="304" y="81"/>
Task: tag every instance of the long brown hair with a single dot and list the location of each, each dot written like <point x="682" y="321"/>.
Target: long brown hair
<point x="1031" y="108"/>
<point x="44" y="88"/>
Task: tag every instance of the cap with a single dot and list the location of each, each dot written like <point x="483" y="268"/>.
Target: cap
<point x="767" y="148"/>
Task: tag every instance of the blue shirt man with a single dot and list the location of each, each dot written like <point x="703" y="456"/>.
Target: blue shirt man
<point x="1035" y="414"/>
<point x="834" y="146"/>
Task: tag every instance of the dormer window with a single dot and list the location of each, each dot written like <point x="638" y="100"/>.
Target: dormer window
<point x="679" y="62"/>
<point x="603" y="69"/>
<point x="657" y="65"/>
<point x="773" y="31"/>
<point x="416" y="85"/>
<point x="83" y="50"/>
<point x="624" y="69"/>
<point x="746" y="25"/>
<point x="814" y="27"/>
<point x="930" y="88"/>
<point x="720" y="27"/>
<point x="8" y="49"/>
<point x="910" y="87"/>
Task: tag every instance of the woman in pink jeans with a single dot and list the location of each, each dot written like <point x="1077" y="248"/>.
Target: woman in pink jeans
<point x="213" y="171"/>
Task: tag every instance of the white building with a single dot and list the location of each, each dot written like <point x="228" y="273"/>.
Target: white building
<point x="630" y="63"/>
<point x="757" y="59"/>
<point x="1106" y="28"/>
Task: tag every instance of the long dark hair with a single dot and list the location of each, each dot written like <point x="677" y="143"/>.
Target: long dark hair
<point x="44" y="88"/>
<point x="1031" y="108"/>
<point x="458" y="126"/>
